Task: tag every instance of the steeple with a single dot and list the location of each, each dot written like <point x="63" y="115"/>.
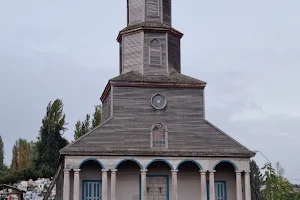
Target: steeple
<point x="149" y="45"/>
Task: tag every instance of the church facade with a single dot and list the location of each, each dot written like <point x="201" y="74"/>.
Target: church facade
<point x="154" y="142"/>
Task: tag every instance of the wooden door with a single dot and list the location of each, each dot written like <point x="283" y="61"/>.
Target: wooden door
<point x="220" y="191"/>
<point x="157" y="188"/>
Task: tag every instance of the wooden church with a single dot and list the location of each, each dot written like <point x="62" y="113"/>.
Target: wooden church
<point x="154" y="142"/>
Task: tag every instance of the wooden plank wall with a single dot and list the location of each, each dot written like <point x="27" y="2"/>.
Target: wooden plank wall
<point x="155" y="70"/>
<point x="106" y="108"/>
<point x="167" y="12"/>
<point x="174" y="53"/>
<point x="132" y="53"/>
<point x="136" y="11"/>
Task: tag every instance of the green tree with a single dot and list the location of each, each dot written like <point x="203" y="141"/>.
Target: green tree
<point x="21" y="158"/>
<point x="2" y="166"/>
<point x="256" y="181"/>
<point x="81" y="128"/>
<point x="97" y="116"/>
<point x="276" y="186"/>
<point x="50" y="139"/>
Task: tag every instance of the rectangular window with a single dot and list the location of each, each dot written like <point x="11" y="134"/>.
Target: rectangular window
<point x="91" y="190"/>
<point x="153" y="8"/>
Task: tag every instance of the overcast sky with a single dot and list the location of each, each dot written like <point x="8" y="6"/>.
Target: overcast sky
<point x="247" y="51"/>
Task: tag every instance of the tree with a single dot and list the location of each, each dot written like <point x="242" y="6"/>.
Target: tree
<point x="276" y="186"/>
<point x="81" y="128"/>
<point x="2" y="166"/>
<point x="50" y="139"/>
<point x="97" y="116"/>
<point x="256" y="181"/>
<point x="22" y="157"/>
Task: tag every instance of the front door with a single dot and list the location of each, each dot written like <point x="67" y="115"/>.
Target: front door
<point x="157" y="188"/>
<point x="91" y="190"/>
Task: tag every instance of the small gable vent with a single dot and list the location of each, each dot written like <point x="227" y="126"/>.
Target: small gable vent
<point x="153" y="8"/>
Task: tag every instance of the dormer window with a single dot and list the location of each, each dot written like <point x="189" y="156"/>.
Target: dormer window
<point x="159" y="136"/>
<point x="155" y="53"/>
<point x="153" y="8"/>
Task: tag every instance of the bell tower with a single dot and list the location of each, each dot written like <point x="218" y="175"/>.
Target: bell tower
<point x="149" y="45"/>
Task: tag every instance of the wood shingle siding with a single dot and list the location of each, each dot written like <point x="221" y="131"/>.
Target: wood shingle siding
<point x="136" y="11"/>
<point x="167" y="12"/>
<point x="174" y="53"/>
<point x="132" y="53"/>
<point x="106" y="108"/>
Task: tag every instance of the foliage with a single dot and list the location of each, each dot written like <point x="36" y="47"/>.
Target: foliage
<point x="276" y="186"/>
<point x="81" y="128"/>
<point x="256" y="180"/>
<point x="2" y="166"/>
<point x="22" y="157"/>
<point x="50" y="139"/>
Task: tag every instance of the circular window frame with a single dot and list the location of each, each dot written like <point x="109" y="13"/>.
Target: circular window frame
<point x="164" y="105"/>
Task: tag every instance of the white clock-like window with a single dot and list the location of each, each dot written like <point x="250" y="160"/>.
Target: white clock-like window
<point x="158" y="101"/>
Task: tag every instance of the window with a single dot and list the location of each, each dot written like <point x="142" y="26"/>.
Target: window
<point x="159" y="136"/>
<point x="153" y="8"/>
<point x="155" y="53"/>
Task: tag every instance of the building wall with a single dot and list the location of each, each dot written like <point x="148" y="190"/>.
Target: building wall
<point x="174" y="53"/>
<point x="132" y="53"/>
<point x="106" y="107"/>
<point x="136" y="11"/>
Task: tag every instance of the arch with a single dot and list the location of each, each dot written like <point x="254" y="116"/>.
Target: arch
<point x="91" y="159"/>
<point x="129" y="159"/>
<point x="226" y="161"/>
<point x="159" y="136"/>
<point x="189" y="160"/>
<point x="160" y="160"/>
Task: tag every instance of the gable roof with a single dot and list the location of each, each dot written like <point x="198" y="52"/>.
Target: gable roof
<point x="114" y="137"/>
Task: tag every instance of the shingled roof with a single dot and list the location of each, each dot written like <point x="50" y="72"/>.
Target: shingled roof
<point x="113" y="138"/>
<point x="175" y="77"/>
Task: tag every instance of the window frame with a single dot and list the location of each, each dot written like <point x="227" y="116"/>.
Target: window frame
<point x="165" y="136"/>
<point x="152" y="14"/>
<point x="157" y="47"/>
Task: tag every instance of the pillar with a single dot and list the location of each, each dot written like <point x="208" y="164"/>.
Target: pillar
<point x="66" y="193"/>
<point x="76" y="191"/>
<point x="203" y="185"/>
<point x="238" y="185"/>
<point x="113" y="184"/>
<point x="144" y="184"/>
<point x="247" y="186"/>
<point x="212" y="184"/>
<point x="174" y="184"/>
<point x="104" y="184"/>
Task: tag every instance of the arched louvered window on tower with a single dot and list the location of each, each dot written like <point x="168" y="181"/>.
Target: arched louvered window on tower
<point x="153" y="7"/>
<point x="159" y="136"/>
<point x="155" y="53"/>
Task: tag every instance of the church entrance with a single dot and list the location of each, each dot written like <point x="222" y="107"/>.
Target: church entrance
<point x="157" y="187"/>
<point x="91" y="190"/>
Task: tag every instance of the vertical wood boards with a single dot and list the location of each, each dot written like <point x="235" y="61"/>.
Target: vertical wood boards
<point x="174" y="53"/>
<point x="167" y="12"/>
<point x="132" y="53"/>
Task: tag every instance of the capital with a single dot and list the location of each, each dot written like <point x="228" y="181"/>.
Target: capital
<point x="104" y="171"/>
<point x="76" y="170"/>
<point x="247" y="171"/>
<point x="174" y="171"/>
<point x="144" y="171"/>
<point x="212" y="171"/>
<point x="66" y="171"/>
<point x="238" y="172"/>
<point x="113" y="170"/>
<point x="203" y="172"/>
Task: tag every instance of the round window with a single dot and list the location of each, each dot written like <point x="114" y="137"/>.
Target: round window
<point x="159" y="101"/>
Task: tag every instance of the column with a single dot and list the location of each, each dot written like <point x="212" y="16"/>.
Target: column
<point x="113" y="184"/>
<point x="104" y="184"/>
<point x="203" y="185"/>
<point x="144" y="184"/>
<point x="238" y="185"/>
<point x="66" y="193"/>
<point x="212" y="184"/>
<point x="76" y="191"/>
<point x="247" y="186"/>
<point x="174" y="184"/>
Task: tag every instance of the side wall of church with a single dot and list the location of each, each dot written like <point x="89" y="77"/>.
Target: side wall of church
<point x="106" y="107"/>
<point x="174" y="53"/>
<point x="136" y="11"/>
<point x="132" y="52"/>
<point x="167" y="12"/>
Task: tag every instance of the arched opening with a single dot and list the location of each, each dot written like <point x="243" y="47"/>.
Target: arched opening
<point x="90" y="179"/>
<point x="189" y="180"/>
<point x="155" y="53"/>
<point x="225" y="180"/>
<point x="159" y="179"/>
<point x="159" y="136"/>
<point x="128" y="179"/>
